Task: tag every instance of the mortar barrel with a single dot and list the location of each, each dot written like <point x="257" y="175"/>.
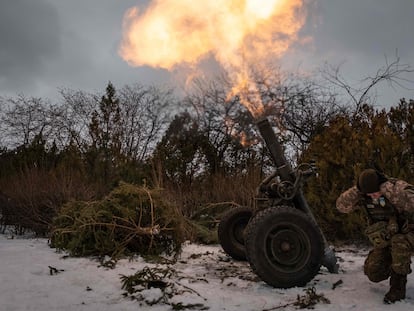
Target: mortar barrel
<point x="275" y="149"/>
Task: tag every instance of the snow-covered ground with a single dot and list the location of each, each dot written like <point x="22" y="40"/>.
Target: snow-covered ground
<point x="34" y="276"/>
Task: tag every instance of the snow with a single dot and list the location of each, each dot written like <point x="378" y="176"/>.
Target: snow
<point x="36" y="277"/>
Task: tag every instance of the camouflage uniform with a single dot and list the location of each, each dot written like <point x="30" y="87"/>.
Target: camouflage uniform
<point x="395" y="208"/>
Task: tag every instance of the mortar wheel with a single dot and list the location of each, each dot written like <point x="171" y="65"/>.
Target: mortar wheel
<point x="231" y="231"/>
<point x="284" y="246"/>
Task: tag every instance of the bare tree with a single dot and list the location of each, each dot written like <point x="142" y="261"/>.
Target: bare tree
<point x="298" y="107"/>
<point x="145" y="112"/>
<point x="392" y="72"/>
<point x="308" y="108"/>
<point x="23" y="119"/>
<point x="224" y="124"/>
<point x="72" y="117"/>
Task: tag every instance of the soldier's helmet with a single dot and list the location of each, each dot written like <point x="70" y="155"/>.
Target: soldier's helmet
<point x="369" y="181"/>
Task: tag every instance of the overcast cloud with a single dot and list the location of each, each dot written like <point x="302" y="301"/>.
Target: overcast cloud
<point x="50" y="44"/>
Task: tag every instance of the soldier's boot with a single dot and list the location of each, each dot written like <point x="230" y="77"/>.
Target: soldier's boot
<point x="397" y="288"/>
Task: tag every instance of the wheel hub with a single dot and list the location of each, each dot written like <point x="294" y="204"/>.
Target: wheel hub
<point x="286" y="247"/>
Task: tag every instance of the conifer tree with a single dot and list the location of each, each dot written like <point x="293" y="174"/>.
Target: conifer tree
<point x="348" y="145"/>
<point x="106" y="135"/>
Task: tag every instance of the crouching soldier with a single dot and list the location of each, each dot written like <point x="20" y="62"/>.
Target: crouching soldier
<point x="389" y="205"/>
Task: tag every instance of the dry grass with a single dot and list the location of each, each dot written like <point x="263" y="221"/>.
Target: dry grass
<point x="35" y="196"/>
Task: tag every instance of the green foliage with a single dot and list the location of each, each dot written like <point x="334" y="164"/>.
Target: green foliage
<point x="35" y="154"/>
<point x="401" y="121"/>
<point x="130" y="219"/>
<point x="178" y="150"/>
<point x="105" y="130"/>
<point x="346" y="147"/>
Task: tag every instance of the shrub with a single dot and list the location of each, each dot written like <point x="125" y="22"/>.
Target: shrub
<point x="130" y="219"/>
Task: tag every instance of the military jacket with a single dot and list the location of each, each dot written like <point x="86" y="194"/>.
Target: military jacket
<point x="397" y="196"/>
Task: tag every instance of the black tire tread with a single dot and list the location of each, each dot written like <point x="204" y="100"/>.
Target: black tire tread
<point x="255" y="262"/>
<point x="229" y="245"/>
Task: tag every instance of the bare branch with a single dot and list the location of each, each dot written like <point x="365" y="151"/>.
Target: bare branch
<point x="392" y="72"/>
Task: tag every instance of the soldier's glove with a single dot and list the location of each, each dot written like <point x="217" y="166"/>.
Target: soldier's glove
<point x="378" y="234"/>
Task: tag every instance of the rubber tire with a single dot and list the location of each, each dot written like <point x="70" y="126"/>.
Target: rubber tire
<point x="287" y="227"/>
<point x="231" y="231"/>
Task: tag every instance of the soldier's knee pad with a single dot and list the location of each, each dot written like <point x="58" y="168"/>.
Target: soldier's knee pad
<point x="376" y="275"/>
<point x="377" y="265"/>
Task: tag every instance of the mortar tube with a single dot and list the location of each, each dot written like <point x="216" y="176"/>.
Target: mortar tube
<point x="276" y="150"/>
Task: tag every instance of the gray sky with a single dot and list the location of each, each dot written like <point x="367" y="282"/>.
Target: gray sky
<point x="50" y="44"/>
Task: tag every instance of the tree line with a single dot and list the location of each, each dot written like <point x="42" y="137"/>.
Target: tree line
<point x="201" y="149"/>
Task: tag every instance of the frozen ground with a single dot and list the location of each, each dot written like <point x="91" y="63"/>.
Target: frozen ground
<point x="35" y="277"/>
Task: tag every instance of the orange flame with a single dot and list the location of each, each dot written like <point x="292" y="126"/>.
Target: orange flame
<point x="235" y="32"/>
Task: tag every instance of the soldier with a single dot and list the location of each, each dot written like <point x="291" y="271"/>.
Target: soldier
<point x="389" y="206"/>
